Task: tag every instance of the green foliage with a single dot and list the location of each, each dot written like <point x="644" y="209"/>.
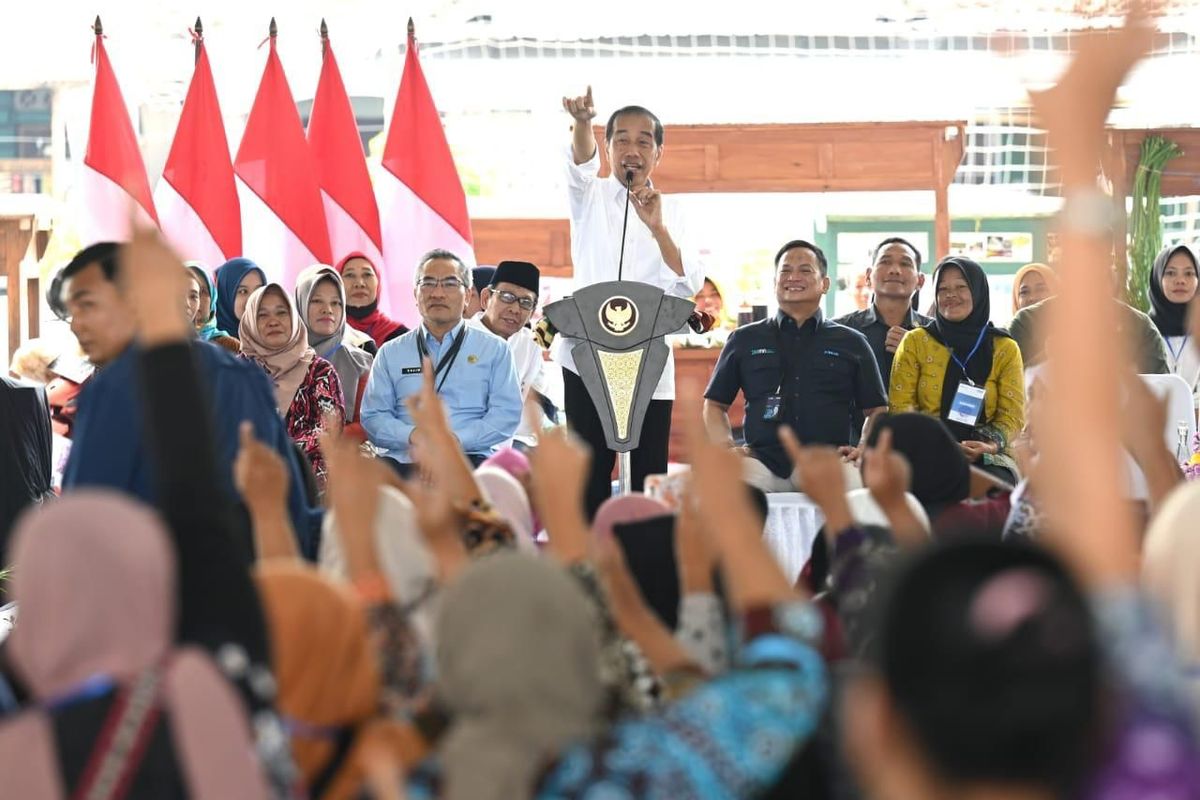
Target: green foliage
<point x="1145" y="223"/>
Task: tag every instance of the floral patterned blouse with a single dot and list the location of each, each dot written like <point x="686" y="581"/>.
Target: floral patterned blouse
<point x="919" y="371"/>
<point x="320" y="393"/>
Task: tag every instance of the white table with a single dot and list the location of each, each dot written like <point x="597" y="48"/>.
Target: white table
<point x="793" y="522"/>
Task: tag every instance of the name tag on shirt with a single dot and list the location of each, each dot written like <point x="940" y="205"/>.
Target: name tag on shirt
<point x="967" y="404"/>
<point x="410" y="371"/>
<point x="773" y="408"/>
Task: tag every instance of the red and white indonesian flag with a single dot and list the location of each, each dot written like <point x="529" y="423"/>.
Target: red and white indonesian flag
<point x="421" y="198"/>
<point x="197" y="196"/>
<point x="113" y="170"/>
<point x="283" y="219"/>
<point x="350" y="210"/>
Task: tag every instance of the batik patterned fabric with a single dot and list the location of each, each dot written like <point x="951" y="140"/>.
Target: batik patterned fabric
<point x="320" y="393"/>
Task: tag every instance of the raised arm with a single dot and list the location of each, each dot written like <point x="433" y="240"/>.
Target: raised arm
<point x="439" y="453"/>
<point x="218" y="604"/>
<point x="261" y="477"/>
<point x="582" y="110"/>
<point x="378" y="410"/>
<point x="752" y="575"/>
<point x="503" y="415"/>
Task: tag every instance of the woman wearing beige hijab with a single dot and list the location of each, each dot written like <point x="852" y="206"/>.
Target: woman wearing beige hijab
<point x="307" y="387"/>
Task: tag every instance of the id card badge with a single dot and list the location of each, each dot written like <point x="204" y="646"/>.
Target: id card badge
<point x="967" y="404"/>
<point x="773" y="407"/>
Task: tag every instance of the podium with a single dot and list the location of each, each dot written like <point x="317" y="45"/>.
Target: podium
<point x="620" y="353"/>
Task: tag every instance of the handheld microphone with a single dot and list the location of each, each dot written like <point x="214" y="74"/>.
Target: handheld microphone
<point x="625" y="222"/>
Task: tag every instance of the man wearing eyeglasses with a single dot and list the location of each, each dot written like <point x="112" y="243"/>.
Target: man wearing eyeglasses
<point x="507" y="303"/>
<point x="473" y="372"/>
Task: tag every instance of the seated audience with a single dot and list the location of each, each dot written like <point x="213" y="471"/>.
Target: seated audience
<point x="237" y="279"/>
<point x="362" y="300"/>
<point x="321" y="300"/>
<point x="1030" y="328"/>
<point x="964" y="371"/>
<point x="795" y="369"/>
<point x="480" y="277"/>
<point x="107" y="434"/>
<point x="507" y="303"/>
<point x="473" y="371"/>
<point x="206" y="313"/>
<point x="1173" y="283"/>
<point x="896" y="280"/>
<point x="957" y="496"/>
<point x="1032" y="284"/>
<point x="307" y="388"/>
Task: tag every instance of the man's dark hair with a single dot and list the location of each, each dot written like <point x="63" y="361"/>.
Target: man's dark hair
<point x="612" y="122"/>
<point x="816" y="251"/>
<point x="102" y="253"/>
<point x="440" y="254"/>
<point x="896" y="240"/>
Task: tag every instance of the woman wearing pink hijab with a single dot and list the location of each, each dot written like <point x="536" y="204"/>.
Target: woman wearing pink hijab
<point x="95" y="582"/>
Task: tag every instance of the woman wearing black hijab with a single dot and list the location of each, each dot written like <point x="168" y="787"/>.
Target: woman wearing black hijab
<point x="1173" y="284"/>
<point x="963" y="370"/>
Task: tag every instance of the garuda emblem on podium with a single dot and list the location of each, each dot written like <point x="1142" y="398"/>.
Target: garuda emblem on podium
<point x="620" y="353"/>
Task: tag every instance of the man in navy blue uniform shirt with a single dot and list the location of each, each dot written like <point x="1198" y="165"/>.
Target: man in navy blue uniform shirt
<point x="797" y="369"/>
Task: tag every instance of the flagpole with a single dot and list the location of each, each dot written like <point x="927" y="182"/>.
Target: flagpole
<point x="324" y="38"/>
<point x="198" y="41"/>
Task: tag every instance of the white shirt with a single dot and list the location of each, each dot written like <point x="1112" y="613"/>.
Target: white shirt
<point x="527" y="358"/>
<point x="1183" y="355"/>
<point x="597" y="213"/>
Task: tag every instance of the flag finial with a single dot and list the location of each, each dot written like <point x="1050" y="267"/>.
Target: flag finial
<point x="273" y="30"/>
<point x="198" y="37"/>
<point x="98" y="28"/>
<point x="324" y="30"/>
<point x="412" y="30"/>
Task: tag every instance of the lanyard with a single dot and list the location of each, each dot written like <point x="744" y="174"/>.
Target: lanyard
<point x="448" y="357"/>
<point x="963" y="364"/>
<point x="1176" y="355"/>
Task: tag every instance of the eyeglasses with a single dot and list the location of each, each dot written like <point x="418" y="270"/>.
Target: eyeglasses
<point x="508" y="298"/>
<point x="449" y="284"/>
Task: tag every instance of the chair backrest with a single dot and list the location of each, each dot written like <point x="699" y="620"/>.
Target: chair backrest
<point x="1181" y="413"/>
<point x="866" y="511"/>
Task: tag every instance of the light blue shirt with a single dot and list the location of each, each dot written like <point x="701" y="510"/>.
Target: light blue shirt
<point x="480" y="392"/>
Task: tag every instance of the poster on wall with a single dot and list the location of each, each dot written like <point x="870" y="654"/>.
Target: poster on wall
<point x="993" y="247"/>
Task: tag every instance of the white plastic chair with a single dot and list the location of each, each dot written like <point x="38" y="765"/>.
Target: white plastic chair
<point x="1181" y="412"/>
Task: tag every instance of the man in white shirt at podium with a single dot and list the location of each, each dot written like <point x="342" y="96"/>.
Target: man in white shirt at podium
<point x="657" y="251"/>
